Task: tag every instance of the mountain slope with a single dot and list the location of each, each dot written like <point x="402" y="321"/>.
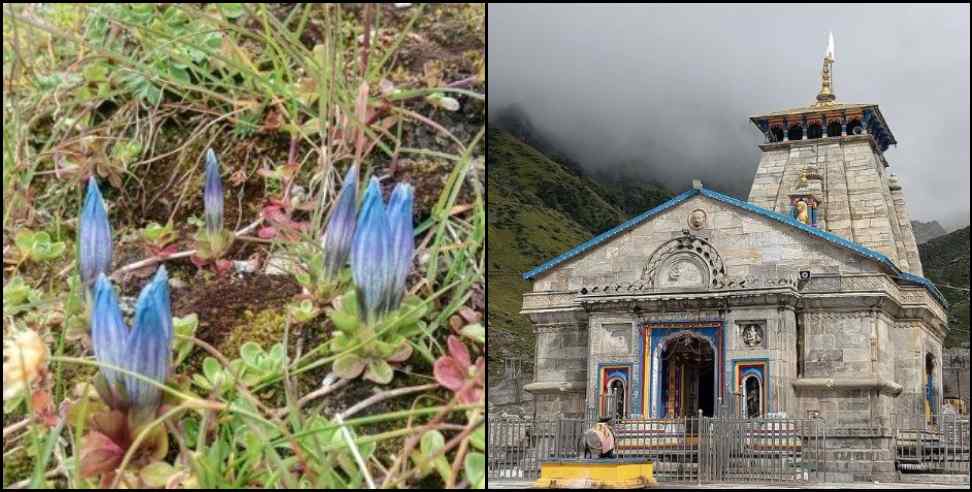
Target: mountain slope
<point x="946" y="262"/>
<point x="539" y="208"/>
<point x="926" y="231"/>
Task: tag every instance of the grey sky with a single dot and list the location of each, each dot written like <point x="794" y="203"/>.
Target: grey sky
<point x="672" y="87"/>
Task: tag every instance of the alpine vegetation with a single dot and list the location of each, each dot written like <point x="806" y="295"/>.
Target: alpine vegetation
<point x="143" y="350"/>
<point x="213" y="241"/>
<point x="381" y="255"/>
<point x="340" y="226"/>
<point x="94" y="237"/>
<point x="213" y="195"/>
<point x="134" y="362"/>
<point x="374" y="322"/>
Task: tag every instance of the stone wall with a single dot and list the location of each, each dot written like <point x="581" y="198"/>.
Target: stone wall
<point x="750" y="246"/>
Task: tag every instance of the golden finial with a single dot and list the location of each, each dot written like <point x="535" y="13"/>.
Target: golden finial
<point x="826" y="96"/>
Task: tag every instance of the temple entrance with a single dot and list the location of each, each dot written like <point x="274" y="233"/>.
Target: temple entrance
<point x="688" y="376"/>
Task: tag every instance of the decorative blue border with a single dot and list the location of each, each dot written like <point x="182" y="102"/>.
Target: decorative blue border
<point x="630" y="384"/>
<point x="671" y="327"/>
<point x="766" y="376"/>
<point x="749" y="207"/>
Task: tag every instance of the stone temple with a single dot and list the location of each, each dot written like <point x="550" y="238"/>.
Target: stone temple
<point x="807" y="300"/>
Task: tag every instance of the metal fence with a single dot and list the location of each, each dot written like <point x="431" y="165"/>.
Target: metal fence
<point x="932" y="444"/>
<point x="685" y="449"/>
<point x="722" y="449"/>
<point x="762" y="450"/>
<point x="515" y="448"/>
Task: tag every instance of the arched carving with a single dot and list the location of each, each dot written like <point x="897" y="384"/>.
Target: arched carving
<point x="687" y="262"/>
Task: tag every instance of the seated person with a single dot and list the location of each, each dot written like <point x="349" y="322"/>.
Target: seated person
<point x="599" y="441"/>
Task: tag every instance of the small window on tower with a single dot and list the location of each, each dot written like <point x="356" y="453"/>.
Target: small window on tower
<point x="795" y="133"/>
<point x="814" y="131"/>
<point x="833" y="129"/>
<point x="777" y="133"/>
<point x="855" y="128"/>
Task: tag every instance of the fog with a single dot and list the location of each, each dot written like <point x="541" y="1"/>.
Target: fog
<point x="669" y="89"/>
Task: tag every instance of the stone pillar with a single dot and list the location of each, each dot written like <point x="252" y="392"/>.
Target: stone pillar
<point x="560" y="379"/>
<point x="804" y="126"/>
<point x="843" y="128"/>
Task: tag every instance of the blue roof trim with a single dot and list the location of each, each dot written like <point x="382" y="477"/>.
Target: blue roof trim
<point x="610" y="233"/>
<point x="735" y="202"/>
<point x="927" y="284"/>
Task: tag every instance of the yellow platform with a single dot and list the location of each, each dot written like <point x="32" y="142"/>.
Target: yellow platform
<point x="597" y="474"/>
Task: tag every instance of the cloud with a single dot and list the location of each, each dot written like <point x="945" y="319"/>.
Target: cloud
<point x="671" y="87"/>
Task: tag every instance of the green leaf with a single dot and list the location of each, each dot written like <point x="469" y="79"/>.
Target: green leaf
<point x="344" y="321"/>
<point x="212" y="369"/>
<point x="432" y="441"/>
<point x="380" y="372"/>
<point x="475" y="332"/>
<point x="231" y="10"/>
<point x="478" y="438"/>
<point x="251" y="354"/>
<point x="476" y="469"/>
<point x="349" y="366"/>
<point x="157" y="474"/>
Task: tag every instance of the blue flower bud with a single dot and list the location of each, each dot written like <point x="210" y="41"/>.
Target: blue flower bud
<point x="109" y="337"/>
<point x="145" y="350"/>
<point x="213" y="194"/>
<point x="94" y="237"/>
<point x="340" y="227"/>
<point x="149" y="344"/>
<point x="402" y="239"/>
<point x="370" y="255"/>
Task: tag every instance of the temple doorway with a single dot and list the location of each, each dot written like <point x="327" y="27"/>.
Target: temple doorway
<point x="688" y="376"/>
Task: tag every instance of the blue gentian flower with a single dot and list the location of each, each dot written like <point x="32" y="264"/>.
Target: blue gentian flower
<point x="402" y="238"/>
<point x="340" y="227"/>
<point x="370" y="255"/>
<point x="381" y="253"/>
<point x="213" y="195"/>
<point x="145" y="349"/>
<point x="94" y="241"/>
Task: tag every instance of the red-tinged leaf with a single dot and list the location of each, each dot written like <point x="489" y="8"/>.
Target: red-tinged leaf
<point x="168" y="251"/>
<point x="459" y="351"/>
<point x="43" y="408"/>
<point x="99" y="454"/>
<point x="470" y="315"/>
<point x="481" y="372"/>
<point x="267" y="232"/>
<point x="199" y="262"/>
<point x="222" y="266"/>
<point x="112" y="424"/>
<point x="449" y="373"/>
<point x="471" y="396"/>
<point x="403" y="354"/>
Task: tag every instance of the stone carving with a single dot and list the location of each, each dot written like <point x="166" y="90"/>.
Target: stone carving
<point x="682" y="273"/>
<point x="685" y="251"/>
<point x="753" y="335"/>
<point x="614" y="339"/>
<point x="698" y="219"/>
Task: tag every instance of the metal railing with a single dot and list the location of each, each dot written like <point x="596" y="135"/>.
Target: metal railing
<point x="515" y="448"/>
<point x="932" y="444"/>
<point x="683" y="449"/>
<point x="762" y="450"/>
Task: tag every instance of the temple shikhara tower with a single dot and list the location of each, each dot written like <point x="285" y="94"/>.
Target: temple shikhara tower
<point x="806" y="301"/>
